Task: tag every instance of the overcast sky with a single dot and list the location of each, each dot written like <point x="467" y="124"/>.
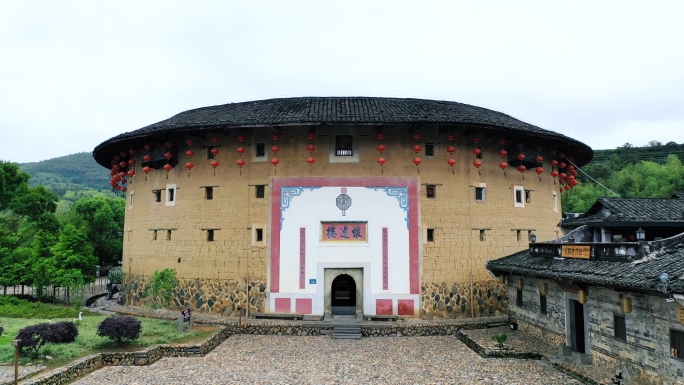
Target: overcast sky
<point x="73" y="74"/>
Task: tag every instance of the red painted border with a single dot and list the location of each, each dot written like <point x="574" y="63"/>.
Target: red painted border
<point x="383" y="307"/>
<point x="405" y="307"/>
<point x="411" y="183"/>
<point x="385" y="262"/>
<point x="302" y="257"/>
<point x="303" y="305"/>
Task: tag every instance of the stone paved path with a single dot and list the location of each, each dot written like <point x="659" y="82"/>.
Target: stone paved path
<point x="254" y="359"/>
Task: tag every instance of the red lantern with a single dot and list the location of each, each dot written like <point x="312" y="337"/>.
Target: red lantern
<point x="521" y="145"/>
<point x="214" y="151"/>
<point x="169" y="144"/>
<point x="123" y="189"/>
<point x="503" y="165"/>
<point x="214" y="139"/>
<point x="554" y="162"/>
<point x="310" y="160"/>
<point x="416" y="148"/>
<point x="521" y="156"/>
<point x="476" y="140"/>
<point x="567" y="187"/>
<point x="147" y="169"/>
<point x="381" y="147"/>
<point x="522" y="168"/>
<point x="554" y="152"/>
<point x="311" y="136"/>
<point x="189" y="165"/>
<point x="168" y="155"/>
<point x="554" y="173"/>
<point x="117" y="158"/>
<point x="311" y="148"/>
<point x="570" y="177"/>
<point x="214" y="163"/>
<point x="477" y="151"/>
<point x="122" y="164"/>
<point x="562" y="176"/>
<point x="275" y="137"/>
<point x="124" y="181"/>
<point x="240" y="162"/>
<point x="539" y="170"/>
<point x="117" y="187"/>
<point x="168" y="167"/>
<point x="116" y="178"/>
<point x="571" y="168"/>
<point x="122" y="174"/>
<point x="240" y="138"/>
<point x="450" y="137"/>
<point x="131" y="173"/>
<point x="275" y="161"/>
<point x="539" y="148"/>
<point x="241" y="150"/>
<point x="131" y="162"/>
<point x="147" y="147"/>
<point x="275" y="149"/>
<point x="573" y="172"/>
<point x="451" y="162"/>
<point x="503" y="153"/>
<point x="147" y="158"/>
<point x="539" y="159"/>
<point x="562" y="165"/>
<point x="416" y="161"/>
<point x="451" y="149"/>
<point x="123" y="154"/>
<point x="116" y="167"/>
<point x="477" y="163"/>
<point x="190" y="153"/>
<point x="131" y="151"/>
<point x="381" y="161"/>
<point x="380" y="136"/>
<point x="416" y="136"/>
<point x="502" y="141"/>
<point x="190" y="142"/>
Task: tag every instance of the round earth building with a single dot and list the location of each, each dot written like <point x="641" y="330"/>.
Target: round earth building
<point x="336" y="205"/>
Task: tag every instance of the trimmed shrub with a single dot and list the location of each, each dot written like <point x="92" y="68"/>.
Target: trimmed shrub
<point x="115" y="276"/>
<point x="119" y="328"/>
<point x="35" y="336"/>
<point x="2" y="330"/>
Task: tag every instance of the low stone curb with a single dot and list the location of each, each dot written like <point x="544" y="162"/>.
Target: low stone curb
<point x="28" y="371"/>
<point x="496" y="352"/>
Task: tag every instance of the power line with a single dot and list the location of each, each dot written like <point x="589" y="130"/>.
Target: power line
<point x="595" y="181"/>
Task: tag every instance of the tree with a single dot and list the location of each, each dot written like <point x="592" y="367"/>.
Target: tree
<point x="73" y="258"/>
<point x="104" y="218"/>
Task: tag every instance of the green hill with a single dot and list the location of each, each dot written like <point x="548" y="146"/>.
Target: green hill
<point x="70" y="177"/>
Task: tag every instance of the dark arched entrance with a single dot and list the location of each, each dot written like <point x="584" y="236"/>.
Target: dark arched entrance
<point x="343" y="295"/>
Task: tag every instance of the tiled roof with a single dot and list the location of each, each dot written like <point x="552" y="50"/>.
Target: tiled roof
<point x="631" y="210"/>
<point x="344" y="110"/>
<point x="627" y="274"/>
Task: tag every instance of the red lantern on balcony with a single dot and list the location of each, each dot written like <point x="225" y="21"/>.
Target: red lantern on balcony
<point x="570" y="177"/>
<point x="477" y="163"/>
<point x="168" y="167"/>
<point x="567" y="187"/>
<point x="416" y="136"/>
<point x="122" y="174"/>
<point x="562" y="165"/>
<point x="168" y="155"/>
<point x="554" y="162"/>
<point x="554" y="173"/>
<point x="116" y="178"/>
<point x="240" y="163"/>
<point x="503" y="165"/>
<point x="116" y="167"/>
<point x="123" y="154"/>
<point x="131" y="151"/>
<point x="189" y="165"/>
<point x="275" y="149"/>
<point x="477" y="151"/>
<point x="416" y="161"/>
<point x="190" y="142"/>
<point x="311" y="136"/>
<point x="122" y="164"/>
<point x="311" y="148"/>
<point x="522" y="168"/>
<point x="275" y="137"/>
<point x="451" y="149"/>
<point x="147" y="158"/>
<point x="521" y="156"/>
<point x="381" y="148"/>
<point x="562" y="176"/>
<point x="539" y="159"/>
<point x="310" y="160"/>
<point x="214" y="139"/>
<point x="147" y="169"/>
<point x="241" y="150"/>
<point x="539" y="170"/>
<point x="147" y="147"/>
<point x="275" y="161"/>
<point x="476" y="140"/>
<point x="190" y="153"/>
<point x="214" y="151"/>
<point x="131" y="162"/>
<point x="416" y="148"/>
<point x="450" y="137"/>
<point x="451" y="162"/>
<point x="380" y="136"/>
<point x="117" y="158"/>
<point x="240" y="138"/>
<point x="131" y="173"/>
<point x="124" y="189"/>
<point x="168" y="144"/>
<point x="503" y="153"/>
<point x="381" y="162"/>
<point x="214" y="163"/>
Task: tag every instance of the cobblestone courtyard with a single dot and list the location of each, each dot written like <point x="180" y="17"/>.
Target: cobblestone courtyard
<point x="256" y="359"/>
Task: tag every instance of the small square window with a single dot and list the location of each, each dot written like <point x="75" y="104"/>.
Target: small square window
<point x="259" y="235"/>
<point x="343" y="145"/>
<point x="482" y="235"/>
<point x="677" y="344"/>
<point x="168" y="235"/>
<point x="479" y="193"/>
<point x="210" y="235"/>
<point x="209" y="193"/>
<point x="131" y="196"/>
<point x="528" y="196"/>
<point x="542" y="304"/>
<point x="260" y="150"/>
<point x="619" y="327"/>
<point x="519" y="298"/>
<point x="154" y="235"/>
<point x="430" y="235"/>
<point x="555" y="202"/>
<point x="519" y="196"/>
<point x="172" y="194"/>
<point x="157" y="195"/>
<point x="431" y="191"/>
<point x="260" y="191"/>
<point x="429" y="149"/>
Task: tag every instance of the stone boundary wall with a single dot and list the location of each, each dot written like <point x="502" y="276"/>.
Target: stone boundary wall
<point x="450" y="301"/>
<point x="636" y="374"/>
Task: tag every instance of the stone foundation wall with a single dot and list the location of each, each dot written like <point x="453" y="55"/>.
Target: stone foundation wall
<point x="454" y="300"/>
<point x="549" y="337"/>
<point x="202" y="295"/>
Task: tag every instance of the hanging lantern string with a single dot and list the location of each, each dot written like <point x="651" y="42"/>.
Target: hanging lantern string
<point x="594" y="180"/>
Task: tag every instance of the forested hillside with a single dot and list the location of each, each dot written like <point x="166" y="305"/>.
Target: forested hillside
<point x="653" y="171"/>
<point x="70" y="177"/>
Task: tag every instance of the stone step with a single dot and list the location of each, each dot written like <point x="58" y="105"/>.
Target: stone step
<point x="346" y="336"/>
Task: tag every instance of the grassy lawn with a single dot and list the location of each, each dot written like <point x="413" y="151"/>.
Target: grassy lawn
<point x="153" y="332"/>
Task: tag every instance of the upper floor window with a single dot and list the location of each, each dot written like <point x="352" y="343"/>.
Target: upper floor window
<point x="260" y="150"/>
<point x="260" y="191"/>
<point x="157" y="195"/>
<point x="479" y="193"/>
<point x="343" y="145"/>
<point x="519" y="196"/>
<point x="528" y="196"/>
<point x="171" y="195"/>
<point x="431" y="191"/>
<point x="555" y="202"/>
<point x="209" y="193"/>
<point x="429" y="149"/>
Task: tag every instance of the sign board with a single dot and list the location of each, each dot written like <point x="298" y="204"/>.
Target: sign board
<point x="576" y="251"/>
<point x="680" y="315"/>
<point x="186" y="315"/>
<point x="344" y="232"/>
<point x="312" y="281"/>
<point x="183" y="317"/>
